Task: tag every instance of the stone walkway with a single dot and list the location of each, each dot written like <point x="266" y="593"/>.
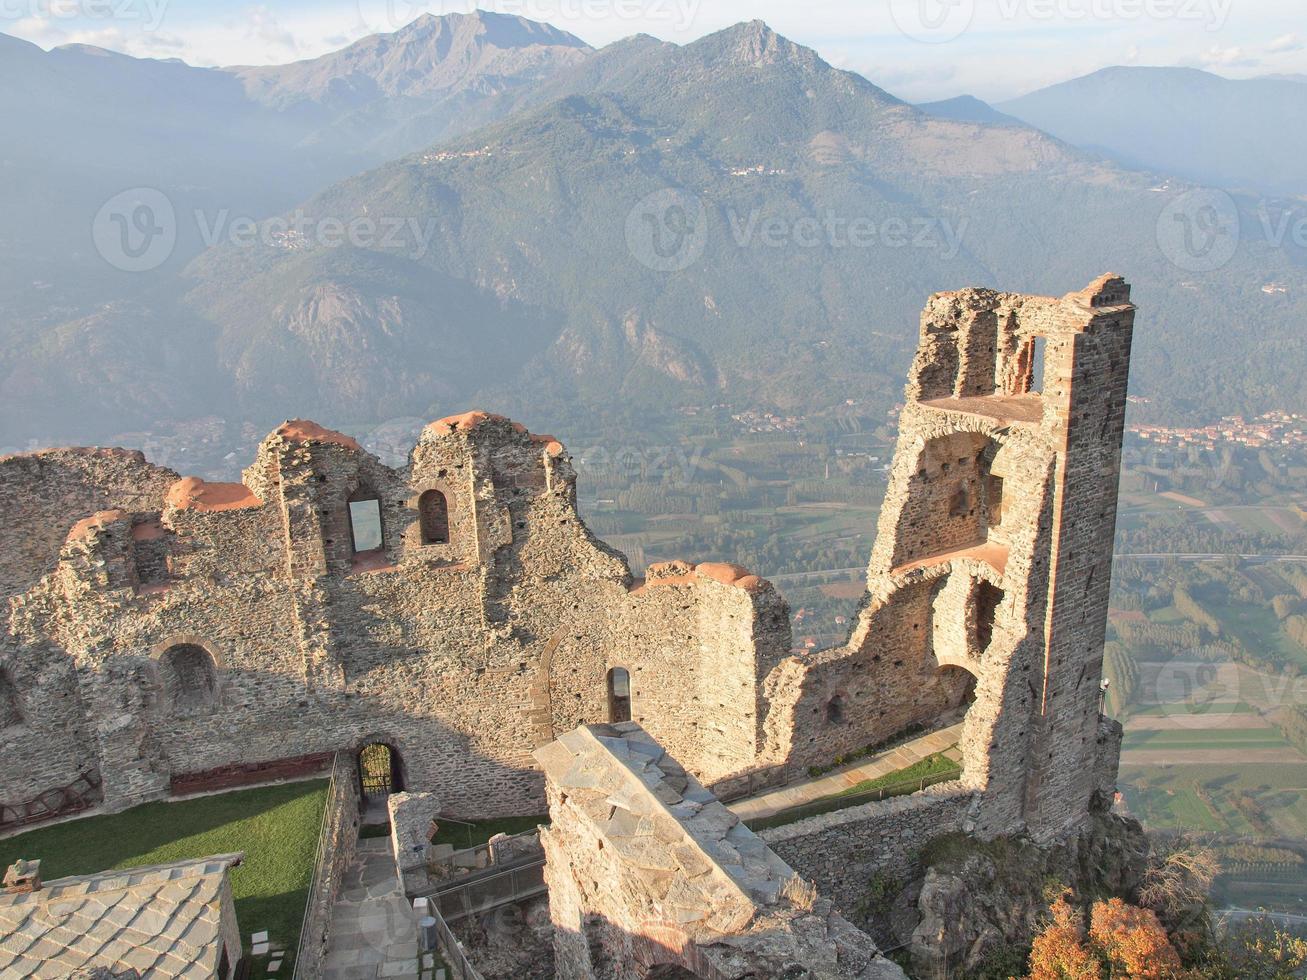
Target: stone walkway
<point x="373" y="930"/>
<point x="795" y="794"/>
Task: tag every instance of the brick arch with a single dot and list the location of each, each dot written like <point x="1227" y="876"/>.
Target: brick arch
<point x="399" y="754"/>
<point x="193" y="684"/>
<point x="189" y="639"/>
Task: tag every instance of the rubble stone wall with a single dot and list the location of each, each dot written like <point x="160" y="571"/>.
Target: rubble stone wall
<point x="162" y="628"/>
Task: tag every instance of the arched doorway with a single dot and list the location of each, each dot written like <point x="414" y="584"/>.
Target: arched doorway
<point x="379" y="776"/>
<point x="619" y="695"/>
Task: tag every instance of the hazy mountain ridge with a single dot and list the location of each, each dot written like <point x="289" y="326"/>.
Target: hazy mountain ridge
<point x="534" y="211"/>
<point x="515" y="282"/>
<point x="1182" y="121"/>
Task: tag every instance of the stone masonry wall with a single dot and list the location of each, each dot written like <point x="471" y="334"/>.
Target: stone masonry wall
<point x="648" y="872"/>
<point x="162" y="628"/>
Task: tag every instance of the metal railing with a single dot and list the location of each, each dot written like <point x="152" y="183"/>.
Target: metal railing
<point x="315" y="883"/>
<point x="485" y="891"/>
<point x="831" y="804"/>
<point x="451" y="950"/>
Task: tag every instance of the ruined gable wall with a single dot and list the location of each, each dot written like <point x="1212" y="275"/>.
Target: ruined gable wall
<point x="698" y="643"/>
<point x="451" y="652"/>
<point x="43" y="494"/>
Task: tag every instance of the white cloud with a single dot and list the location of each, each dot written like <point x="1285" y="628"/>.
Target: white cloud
<point x="1229" y="57"/>
<point x="1285" y="43"/>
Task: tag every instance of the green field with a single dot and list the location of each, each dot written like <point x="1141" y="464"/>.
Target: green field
<point x="1206" y="738"/>
<point x="275" y="826"/>
<point x="1171" y="797"/>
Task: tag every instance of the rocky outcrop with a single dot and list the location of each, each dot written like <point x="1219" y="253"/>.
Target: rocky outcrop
<point x="979" y="901"/>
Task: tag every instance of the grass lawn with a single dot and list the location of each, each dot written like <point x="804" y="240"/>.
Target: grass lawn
<point x="471" y="834"/>
<point x="901" y="782"/>
<point x="275" y="826"/>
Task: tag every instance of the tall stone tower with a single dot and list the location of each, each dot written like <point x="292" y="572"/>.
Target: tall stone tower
<point x="1000" y="516"/>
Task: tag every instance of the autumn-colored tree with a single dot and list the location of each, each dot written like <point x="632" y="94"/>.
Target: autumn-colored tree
<point x="1258" y="949"/>
<point x="1133" y="942"/>
<point x="1124" y="942"/>
<point x="1059" y="951"/>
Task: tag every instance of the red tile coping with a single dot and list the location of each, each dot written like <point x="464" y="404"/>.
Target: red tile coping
<point x="303" y="430"/>
<point x="467" y="421"/>
<point x="684" y="573"/>
<point x="995" y="555"/>
<point x="192" y="493"/>
<point x="95" y="521"/>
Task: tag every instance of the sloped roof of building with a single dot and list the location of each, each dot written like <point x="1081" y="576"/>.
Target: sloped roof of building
<point x="161" y="921"/>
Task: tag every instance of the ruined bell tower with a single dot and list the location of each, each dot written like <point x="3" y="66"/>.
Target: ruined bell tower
<point x="1000" y="516"/>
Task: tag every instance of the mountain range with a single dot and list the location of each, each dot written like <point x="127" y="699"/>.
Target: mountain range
<point x="482" y="210"/>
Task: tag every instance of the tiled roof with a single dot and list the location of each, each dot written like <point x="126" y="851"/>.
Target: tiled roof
<point x="162" y="921"/>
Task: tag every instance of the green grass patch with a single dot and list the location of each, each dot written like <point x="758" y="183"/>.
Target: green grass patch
<point x="275" y="826"/>
<point x="901" y="782"/>
<point x="1180" y="708"/>
<point x="1206" y="738"/>
<point x="463" y="835"/>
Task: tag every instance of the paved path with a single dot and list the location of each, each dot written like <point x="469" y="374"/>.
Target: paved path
<point x="795" y="794"/>
<point x="373" y="930"/>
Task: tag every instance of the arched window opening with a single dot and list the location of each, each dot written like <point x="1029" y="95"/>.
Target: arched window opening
<point x="10" y="713"/>
<point x="619" y="695"/>
<point x="433" y="513"/>
<point x="365" y="522"/>
<point x="988" y="599"/>
<point x="835" y="710"/>
<point x="189" y="678"/>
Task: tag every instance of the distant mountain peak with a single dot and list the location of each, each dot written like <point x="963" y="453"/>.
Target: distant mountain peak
<point x="754" y="43"/>
<point x="500" y="30"/>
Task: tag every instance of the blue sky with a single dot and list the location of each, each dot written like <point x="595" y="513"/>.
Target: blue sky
<point x="918" y="49"/>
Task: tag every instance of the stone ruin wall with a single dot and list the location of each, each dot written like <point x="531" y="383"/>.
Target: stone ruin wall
<point x="650" y="875"/>
<point x="468" y="654"/>
<point x="463" y="656"/>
